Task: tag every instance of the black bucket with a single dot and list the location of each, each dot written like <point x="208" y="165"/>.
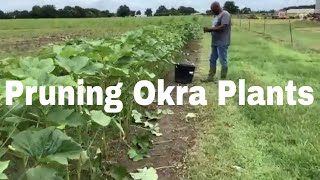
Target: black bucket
<point x="184" y="73"/>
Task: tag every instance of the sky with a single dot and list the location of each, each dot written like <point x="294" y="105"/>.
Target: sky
<point x="112" y="5"/>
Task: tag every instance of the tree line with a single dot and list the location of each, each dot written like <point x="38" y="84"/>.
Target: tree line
<point x="50" y="11"/>
<point x="232" y="8"/>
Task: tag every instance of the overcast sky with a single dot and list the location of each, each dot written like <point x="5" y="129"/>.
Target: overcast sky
<point x="200" y="5"/>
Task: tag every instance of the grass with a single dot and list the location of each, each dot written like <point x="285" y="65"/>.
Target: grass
<point x="271" y="142"/>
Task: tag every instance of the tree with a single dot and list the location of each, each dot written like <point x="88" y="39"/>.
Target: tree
<point x="67" y="12"/>
<point x="174" y="12"/>
<point x="231" y="7"/>
<point x="245" y="11"/>
<point x="36" y="12"/>
<point x="92" y="12"/>
<point x="106" y="13"/>
<point x="48" y="11"/>
<point x="162" y="11"/>
<point x="148" y="12"/>
<point x="21" y="14"/>
<point x="123" y="11"/>
<point x="186" y="10"/>
<point x="132" y="13"/>
<point x="138" y="13"/>
<point x="79" y="12"/>
<point x="2" y="15"/>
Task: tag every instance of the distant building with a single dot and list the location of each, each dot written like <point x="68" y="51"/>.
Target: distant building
<point x="300" y="11"/>
<point x="142" y="15"/>
<point x="317" y="10"/>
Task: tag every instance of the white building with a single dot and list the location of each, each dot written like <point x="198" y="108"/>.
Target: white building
<point x="300" y="11"/>
<point x="317" y="11"/>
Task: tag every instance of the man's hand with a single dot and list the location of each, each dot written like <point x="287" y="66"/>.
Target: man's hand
<point x="207" y="29"/>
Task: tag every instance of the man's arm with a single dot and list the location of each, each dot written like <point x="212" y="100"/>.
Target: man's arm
<point x="215" y="29"/>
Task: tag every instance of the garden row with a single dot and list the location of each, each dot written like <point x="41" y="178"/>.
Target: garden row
<point x="70" y="141"/>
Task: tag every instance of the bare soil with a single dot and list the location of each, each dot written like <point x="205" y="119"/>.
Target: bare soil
<point x="169" y="150"/>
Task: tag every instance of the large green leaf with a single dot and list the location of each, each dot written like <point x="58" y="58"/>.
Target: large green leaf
<point x="79" y="65"/>
<point x="3" y="166"/>
<point x="68" y="51"/>
<point x="52" y="80"/>
<point x="73" y="65"/>
<point x="49" y="144"/>
<point x="33" y="67"/>
<point x="100" y="118"/>
<point x="58" y="114"/>
<point x="42" y="173"/>
<point x="145" y="174"/>
<point x="75" y="119"/>
<point x="92" y="68"/>
<point x="65" y="117"/>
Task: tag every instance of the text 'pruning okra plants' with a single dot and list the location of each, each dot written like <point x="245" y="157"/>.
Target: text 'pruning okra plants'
<point x="70" y="142"/>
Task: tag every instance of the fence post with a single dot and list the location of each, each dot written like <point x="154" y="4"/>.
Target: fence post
<point x="240" y="21"/>
<point x="264" y="26"/>
<point x="249" y="24"/>
<point x="290" y="25"/>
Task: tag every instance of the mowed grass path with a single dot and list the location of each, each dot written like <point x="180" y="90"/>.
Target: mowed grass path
<point x="270" y="142"/>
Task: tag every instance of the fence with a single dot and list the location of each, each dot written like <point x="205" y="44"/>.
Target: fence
<point x="299" y="34"/>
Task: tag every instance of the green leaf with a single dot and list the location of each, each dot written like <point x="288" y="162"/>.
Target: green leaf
<point x="120" y="173"/>
<point x="65" y="117"/>
<point x="150" y="75"/>
<point x="145" y="174"/>
<point x="154" y="128"/>
<point x="75" y="120"/>
<point x="134" y="155"/>
<point x="100" y="118"/>
<point x="33" y="67"/>
<point x="59" y="115"/>
<point x="152" y="115"/>
<point x="136" y="116"/>
<point x="3" y="176"/>
<point x="92" y="68"/>
<point x="48" y="144"/>
<point x="3" y="166"/>
<point x="73" y="65"/>
<point x="41" y="173"/>
<point x="117" y="72"/>
<point x="52" y="80"/>
<point x="68" y="51"/>
<point x="14" y="120"/>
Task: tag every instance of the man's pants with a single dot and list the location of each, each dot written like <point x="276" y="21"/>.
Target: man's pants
<point x="221" y="53"/>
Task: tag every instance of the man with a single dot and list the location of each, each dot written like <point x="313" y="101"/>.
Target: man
<point x="221" y="34"/>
